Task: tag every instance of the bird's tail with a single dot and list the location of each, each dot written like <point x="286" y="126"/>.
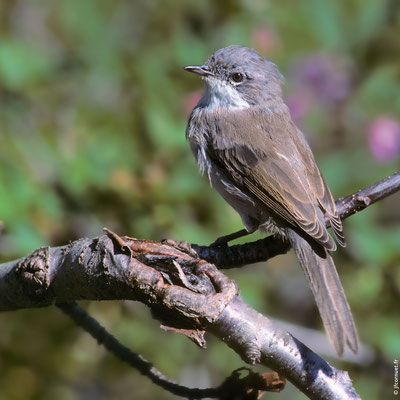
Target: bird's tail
<point x="328" y="292"/>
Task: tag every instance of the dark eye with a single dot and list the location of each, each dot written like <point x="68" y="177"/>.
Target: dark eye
<point x="237" y="77"/>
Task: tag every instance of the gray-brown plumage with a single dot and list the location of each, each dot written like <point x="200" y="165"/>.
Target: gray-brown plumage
<point x="243" y="138"/>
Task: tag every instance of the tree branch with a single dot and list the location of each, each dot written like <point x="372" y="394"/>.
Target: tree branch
<point x="271" y="246"/>
<point x="230" y="388"/>
<point x="187" y="293"/>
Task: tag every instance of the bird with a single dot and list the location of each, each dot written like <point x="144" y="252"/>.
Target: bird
<point x="243" y="138"/>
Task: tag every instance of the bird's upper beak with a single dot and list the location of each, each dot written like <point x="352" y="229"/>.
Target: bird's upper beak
<point x="202" y="70"/>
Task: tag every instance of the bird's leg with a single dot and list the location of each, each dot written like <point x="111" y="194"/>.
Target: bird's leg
<point x="223" y="240"/>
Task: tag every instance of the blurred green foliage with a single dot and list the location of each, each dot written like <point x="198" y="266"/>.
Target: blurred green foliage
<point x="93" y="107"/>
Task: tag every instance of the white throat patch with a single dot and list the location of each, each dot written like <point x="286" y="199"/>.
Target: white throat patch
<point x="219" y="94"/>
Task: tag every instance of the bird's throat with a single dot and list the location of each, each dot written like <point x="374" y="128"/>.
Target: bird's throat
<point x="221" y="95"/>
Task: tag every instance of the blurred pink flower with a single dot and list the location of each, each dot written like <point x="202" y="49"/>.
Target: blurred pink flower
<point x="384" y="138"/>
<point x="265" y="40"/>
<point x="190" y="101"/>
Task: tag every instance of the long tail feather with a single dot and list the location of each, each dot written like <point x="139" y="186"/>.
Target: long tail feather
<point x="328" y="292"/>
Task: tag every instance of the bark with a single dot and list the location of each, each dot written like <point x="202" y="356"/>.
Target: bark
<point x="188" y="294"/>
<point x="184" y="290"/>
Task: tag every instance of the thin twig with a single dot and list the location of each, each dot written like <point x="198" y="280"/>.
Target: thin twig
<point x="362" y="199"/>
<point x="146" y="368"/>
<point x="264" y="249"/>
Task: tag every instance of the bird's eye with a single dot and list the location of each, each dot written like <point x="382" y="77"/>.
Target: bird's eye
<point x="237" y="77"/>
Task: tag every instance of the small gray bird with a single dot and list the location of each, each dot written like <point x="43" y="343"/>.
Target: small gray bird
<point x="244" y="139"/>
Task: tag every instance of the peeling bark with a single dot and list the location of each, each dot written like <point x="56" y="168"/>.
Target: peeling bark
<point x="184" y="290"/>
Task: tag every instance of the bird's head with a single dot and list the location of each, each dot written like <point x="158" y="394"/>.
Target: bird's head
<point x="238" y="77"/>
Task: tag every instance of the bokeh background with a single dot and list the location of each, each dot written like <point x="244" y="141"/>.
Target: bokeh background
<point x="93" y="106"/>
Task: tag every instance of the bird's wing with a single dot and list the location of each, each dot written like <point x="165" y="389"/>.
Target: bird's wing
<point x="320" y="187"/>
<point x="259" y="153"/>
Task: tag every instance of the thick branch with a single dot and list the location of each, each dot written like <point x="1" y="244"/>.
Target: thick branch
<point x="110" y="267"/>
<point x="188" y="294"/>
<point x="258" y="340"/>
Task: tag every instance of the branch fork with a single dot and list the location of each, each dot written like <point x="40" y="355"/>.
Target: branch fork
<point x="185" y="290"/>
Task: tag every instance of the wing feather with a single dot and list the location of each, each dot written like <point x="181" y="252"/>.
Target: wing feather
<point x="278" y="169"/>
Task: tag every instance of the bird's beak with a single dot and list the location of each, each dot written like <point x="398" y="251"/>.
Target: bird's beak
<point x="202" y="70"/>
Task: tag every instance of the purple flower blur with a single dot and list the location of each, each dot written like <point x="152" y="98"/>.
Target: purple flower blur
<point x="299" y="102"/>
<point x="384" y="138"/>
<point x="318" y="79"/>
<point x="327" y="76"/>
